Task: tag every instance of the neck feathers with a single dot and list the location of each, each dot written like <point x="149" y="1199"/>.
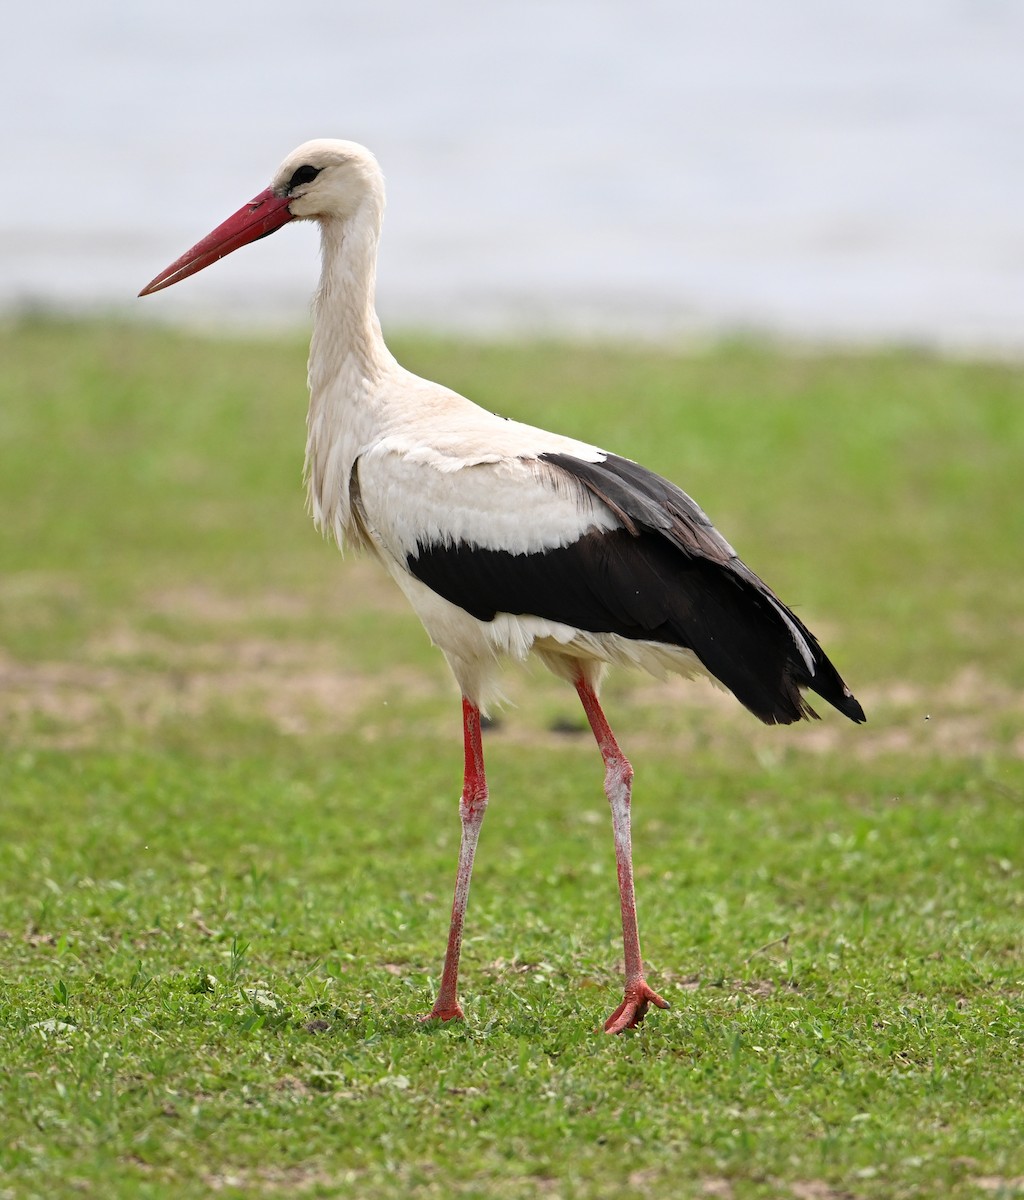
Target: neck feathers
<point x="347" y="360"/>
<point x="345" y="323"/>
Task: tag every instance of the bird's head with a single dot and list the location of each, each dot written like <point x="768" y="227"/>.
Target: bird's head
<point x="328" y="178"/>
<point x="321" y="180"/>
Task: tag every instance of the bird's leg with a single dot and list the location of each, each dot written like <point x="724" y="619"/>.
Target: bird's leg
<point x="472" y="806"/>
<point x="618" y="782"/>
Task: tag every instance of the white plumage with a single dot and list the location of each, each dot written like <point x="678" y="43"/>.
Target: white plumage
<point x="506" y="539"/>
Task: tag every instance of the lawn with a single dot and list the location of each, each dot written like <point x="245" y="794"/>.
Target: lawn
<point x="230" y="767"/>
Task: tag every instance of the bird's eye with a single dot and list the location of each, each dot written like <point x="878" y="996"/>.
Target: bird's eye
<point x="301" y="175"/>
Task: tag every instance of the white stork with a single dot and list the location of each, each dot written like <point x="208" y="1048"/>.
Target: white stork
<point x="507" y="539"/>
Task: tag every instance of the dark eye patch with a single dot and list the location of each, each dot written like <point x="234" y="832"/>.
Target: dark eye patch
<point x="305" y="174"/>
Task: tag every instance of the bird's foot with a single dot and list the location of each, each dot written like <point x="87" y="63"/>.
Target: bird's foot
<point x="634" y="1006"/>
<point x="450" y="1012"/>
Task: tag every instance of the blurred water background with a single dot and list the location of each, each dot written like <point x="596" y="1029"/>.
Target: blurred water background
<point x="813" y="169"/>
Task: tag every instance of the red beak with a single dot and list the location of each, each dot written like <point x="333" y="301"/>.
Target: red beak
<point x="261" y="216"/>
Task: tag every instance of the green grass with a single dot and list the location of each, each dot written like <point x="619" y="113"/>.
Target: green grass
<point x="230" y="764"/>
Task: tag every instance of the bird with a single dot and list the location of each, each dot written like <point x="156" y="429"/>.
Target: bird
<point x="508" y="540"/>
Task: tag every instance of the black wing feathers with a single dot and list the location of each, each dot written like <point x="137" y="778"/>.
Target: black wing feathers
<point x="643" y="500"/>
<point x="666" y="576"/>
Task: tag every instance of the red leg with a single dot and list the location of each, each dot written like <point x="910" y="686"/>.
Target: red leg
<point x="618" y="781"/>
<point x="471" y="812"/>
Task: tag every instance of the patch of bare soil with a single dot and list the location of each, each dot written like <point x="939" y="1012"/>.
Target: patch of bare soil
<point x="131" y="681"/>
<point x="136" y="681"/>
<point x="968" y="715"/>
<point x="817" y="1189"/>
<point x="1002" y="1184"/>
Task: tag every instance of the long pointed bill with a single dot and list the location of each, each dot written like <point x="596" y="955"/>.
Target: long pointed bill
<point x="261" y="216"/>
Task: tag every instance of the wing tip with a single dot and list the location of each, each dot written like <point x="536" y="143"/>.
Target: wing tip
<point x="841" y="699"/>
<point x="851" y="707"/>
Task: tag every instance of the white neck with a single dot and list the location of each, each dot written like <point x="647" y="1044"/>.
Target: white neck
<point x="345" y="324"/>
<point x="348" y="361"/>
